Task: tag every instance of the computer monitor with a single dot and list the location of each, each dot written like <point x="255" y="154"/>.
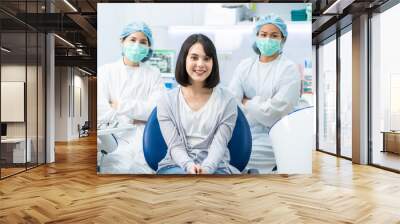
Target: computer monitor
<point x="3" y="129"/>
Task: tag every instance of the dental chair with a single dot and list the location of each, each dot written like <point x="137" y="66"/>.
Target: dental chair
<point x="107" y="139"/>
<point x="293" y="142"/>
<point x="155" y="148"/>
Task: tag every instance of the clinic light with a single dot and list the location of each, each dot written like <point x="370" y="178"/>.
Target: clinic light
<point x="70" y="5"/>
<point x="209" y="29"/>
<point x="5" y="50"/>
<point x="64" y="40"/>
<point x="299" y="27"/>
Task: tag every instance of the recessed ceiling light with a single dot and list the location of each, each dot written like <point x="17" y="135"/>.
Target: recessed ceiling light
<point x="64" y="40"/>
<point x="70" y="5"/>
<point x="5" y="49"/>
<point x="84" y="71"/>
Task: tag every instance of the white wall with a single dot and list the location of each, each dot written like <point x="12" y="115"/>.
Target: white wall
<point x="12" y="73"/>
<point x="61" y="103"/>
<point x="66" y="110"/>
<point x="13" y="101"/>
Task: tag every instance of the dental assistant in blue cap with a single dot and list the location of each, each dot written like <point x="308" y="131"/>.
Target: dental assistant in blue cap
<point x="128" y="90"/>
<point x="268" y="87"/>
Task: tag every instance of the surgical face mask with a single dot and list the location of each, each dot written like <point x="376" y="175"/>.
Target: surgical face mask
<point x="268" y="46"/>
<point x="135" y="52"/>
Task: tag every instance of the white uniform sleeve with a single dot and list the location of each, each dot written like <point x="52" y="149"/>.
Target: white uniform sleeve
<point x="235" y="86"/>
<point x="104" y="111"/>
<point x="140" y="109"/>
<point x="287" y="93"/>
<point x="219" y="144"/>
<point x="172" y="138"/>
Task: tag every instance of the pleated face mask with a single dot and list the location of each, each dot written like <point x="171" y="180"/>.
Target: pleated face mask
<point x="268" y="46"/>
<point x="135" y="52"/>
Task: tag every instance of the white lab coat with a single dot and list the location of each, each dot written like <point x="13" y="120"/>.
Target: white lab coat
<point x="137" y="90"/>
<point x="274" y="90"/>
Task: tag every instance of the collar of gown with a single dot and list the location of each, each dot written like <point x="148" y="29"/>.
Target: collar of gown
<point x="127" y="67"/>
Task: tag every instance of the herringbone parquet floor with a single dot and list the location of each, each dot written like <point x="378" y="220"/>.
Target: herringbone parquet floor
<point x="70" y="191"/>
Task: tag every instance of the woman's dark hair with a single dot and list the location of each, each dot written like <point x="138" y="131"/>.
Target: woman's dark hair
<point x="181" y="75"/>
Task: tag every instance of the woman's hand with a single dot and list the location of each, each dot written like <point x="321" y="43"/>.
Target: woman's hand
<point x="205" y="171"/>
<point x="114" y="104"/>
<point x="244" y="100"/>
<point x="195" y="169"/>
<point x="138" y="122"/>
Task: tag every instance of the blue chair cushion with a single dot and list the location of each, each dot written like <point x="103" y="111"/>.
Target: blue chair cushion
<point x="155" y="148"/>
<point x="240" y="143"/>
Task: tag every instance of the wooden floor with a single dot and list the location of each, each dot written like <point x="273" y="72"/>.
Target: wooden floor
<point x="10" y="171"/>
<point x="70" y="191"/>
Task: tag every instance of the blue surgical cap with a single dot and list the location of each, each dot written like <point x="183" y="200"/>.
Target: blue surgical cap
<point x="137" y="27"/>
<point x="271" y="19"/>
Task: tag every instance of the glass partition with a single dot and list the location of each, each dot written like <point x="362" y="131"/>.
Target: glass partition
<point x="327" y="97"/>
<point x="385" y="84"/>
<point x="13" y="105"/>
<point x="22" y="89"/>
<point x="346" y="94"/>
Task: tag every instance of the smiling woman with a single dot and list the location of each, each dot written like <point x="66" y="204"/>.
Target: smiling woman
<point x="198" y="65"/>
<point x="197" y="56"/>
<point x="197" y="119"/>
